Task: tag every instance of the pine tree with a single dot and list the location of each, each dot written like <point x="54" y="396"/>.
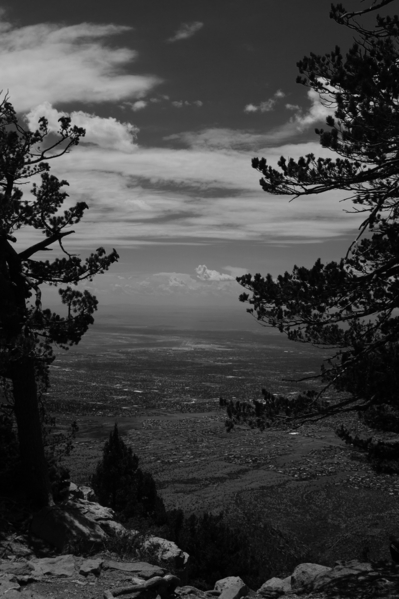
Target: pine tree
<point x="120" y="484"/>
<point x="348" y="306"/>
<point x="115" y="476"/>
<point x="28" y="332"/>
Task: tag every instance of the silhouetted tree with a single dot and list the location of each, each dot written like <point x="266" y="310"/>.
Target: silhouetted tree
<point x="28" y="331"/>
<point x="348" y="306"/>
<point x="120" y="484"/>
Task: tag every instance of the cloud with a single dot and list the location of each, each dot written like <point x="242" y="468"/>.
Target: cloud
<point x="104" y="132"/>
<point x="267" y="105"/>
<point x="56" y="63"/>
<point x="317" y="112"/>
<point x="236" y="271"/>
<point x="196" y="194"/>
<point x="138" y="105"/>
<point x="185" y="31"/>
<point x="251" y="108"/>
<point x="141" y="104"/>
<point x="181" y="103"/>
<point x="166" y="288"/>
<point x="205" y="274"/>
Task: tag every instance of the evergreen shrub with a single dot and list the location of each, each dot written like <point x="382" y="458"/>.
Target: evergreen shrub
<point x="120" y="484"/>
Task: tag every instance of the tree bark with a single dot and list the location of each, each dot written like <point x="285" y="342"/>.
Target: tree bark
<point x="30" y="432"/>
<point x="21" y="370"/>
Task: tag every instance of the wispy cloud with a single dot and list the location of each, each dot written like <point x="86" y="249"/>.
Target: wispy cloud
<point x="185" y="31"/>
<point x="267" y="105"/>
<point x="55" y="63"/>
<point x="181" y="103"/>
<point x="193" y="194"/>
<point x="168" y="287"/>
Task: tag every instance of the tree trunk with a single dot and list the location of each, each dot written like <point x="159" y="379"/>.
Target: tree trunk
<point x="30" y="432"/>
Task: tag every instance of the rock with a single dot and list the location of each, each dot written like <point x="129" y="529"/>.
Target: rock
<point x="188" y="591"/>
<point x="349" y="570"/>
<point x="8" y="585"/>
<point x="159" y="586"/>
<point x="167" y="552"/>
<point x="91" y="509"/>
<point x="26" y="594"/>
<point x="141" y="569"/>
<point x="276" y="584"/>
<point x="65" y="527"/>
<point x="62" y="566"/>
<point x="91" y="566"/>
<point x="232" y="587"/>
<point x="21" y="568"/>
<point x="12" y="547"/>
<point x="88" y="493"/>
<point x="98" y="514"/>
<point x="75" y="492"/>
<point x="303" y="576"/>
<point x="113" y="528"/>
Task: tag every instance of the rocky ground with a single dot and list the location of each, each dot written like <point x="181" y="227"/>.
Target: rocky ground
<point x="24" y="576"/>
<point x="318" y="492"/>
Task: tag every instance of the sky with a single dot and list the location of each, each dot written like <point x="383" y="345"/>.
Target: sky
<point x="177" y="97"/>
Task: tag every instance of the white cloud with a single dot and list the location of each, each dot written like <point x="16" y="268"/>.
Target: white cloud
<point x="138" y="105"/>
<point x="104" y="132"/>
<point x="186" y="30"/>
<point x="251" y="108"/>
<point x="317" y="112"/>
<point x="167" y="288"/>
<point x="197" y="194"/>
<point x="267" y="105"/>
<point x="205" y="274"/>
<point x="55" y="63"/>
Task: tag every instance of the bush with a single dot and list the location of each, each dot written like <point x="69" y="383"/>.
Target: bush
<point x="382" y="455"/>
<point x="215" y="549"/>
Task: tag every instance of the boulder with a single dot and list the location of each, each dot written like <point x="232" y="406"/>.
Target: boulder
<point x="98" y="514"/>
<point x="91" y="509"/>
<point x="114" y="529"/>
<point x="276" y="584"/>
<point x="88" y="493"/>
<point x="232" y="587"/>
<point x="8" y="586"/>
<point x="75" y="492"/>
<point x="91" y="566"/>
<point x="140" y="569"/>
<point x="65" y="527"/>
<point x="21" y="568"/>
<point x="345" y="570"/>
<point x="61" y="566"/>
<point x="303" y="576"/>
<point x="158" y="586"/>
<point x="188" y="592"/>
<point x="166" y="552"/>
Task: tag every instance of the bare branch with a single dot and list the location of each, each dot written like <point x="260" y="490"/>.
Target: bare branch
<point x="42" y="245"/>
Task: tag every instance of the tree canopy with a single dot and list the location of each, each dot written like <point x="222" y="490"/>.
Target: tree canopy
<point x="349" y="306"/>
<point x="28" y="331"/>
